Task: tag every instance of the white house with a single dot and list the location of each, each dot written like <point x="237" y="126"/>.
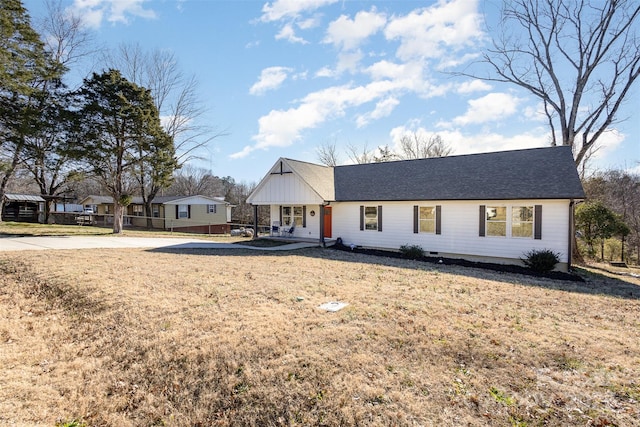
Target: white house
<point x="490" y="207"/>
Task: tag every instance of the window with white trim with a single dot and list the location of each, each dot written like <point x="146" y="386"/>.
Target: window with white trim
<point x="513" y="221"/>
<point x="371" y="218"/>
<point x="522" y="221"/>
<point x="496" y="221"/>
<point x="427" y="219"/>
<point x="292" y="215"/>
<point x="211" y="209"/>
<point x="183" y="211"/>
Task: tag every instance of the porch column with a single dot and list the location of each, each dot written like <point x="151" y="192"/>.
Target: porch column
<point x="255" y="221"/>
<point x="322" y="242"/>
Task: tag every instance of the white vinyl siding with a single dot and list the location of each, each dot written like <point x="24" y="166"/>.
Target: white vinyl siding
<point x="459" y="223"/>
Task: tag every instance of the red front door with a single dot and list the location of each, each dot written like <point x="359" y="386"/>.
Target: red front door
<point x="327" y="221"/>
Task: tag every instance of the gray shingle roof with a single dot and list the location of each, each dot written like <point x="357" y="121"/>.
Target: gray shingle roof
<point x="540" y="173"/>
<point x="318" y="177"/>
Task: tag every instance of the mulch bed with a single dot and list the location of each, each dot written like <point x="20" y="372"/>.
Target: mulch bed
<point x="505" y="268"/>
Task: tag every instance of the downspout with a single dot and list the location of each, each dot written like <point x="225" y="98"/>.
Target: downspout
<point x="322" y="243"/>
<point x="572" y="233"/>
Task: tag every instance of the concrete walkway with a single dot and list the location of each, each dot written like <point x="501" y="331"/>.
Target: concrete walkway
<point x="10" y="243"/>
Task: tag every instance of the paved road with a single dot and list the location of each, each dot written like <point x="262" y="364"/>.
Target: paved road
<point x="10" y="243"/>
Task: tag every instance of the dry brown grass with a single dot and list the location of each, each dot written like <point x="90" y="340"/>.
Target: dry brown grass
<point x="142" y="338"/>
<point x="28" y="229"/>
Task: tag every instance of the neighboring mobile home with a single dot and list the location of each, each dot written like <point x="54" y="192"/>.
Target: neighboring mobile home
<point x="490" y="207"/>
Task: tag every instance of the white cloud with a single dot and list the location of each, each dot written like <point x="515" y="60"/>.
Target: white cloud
<point x="270" y="78"/>
<point x="462" y="143"/>
<point x="432" y="31"/>
<point x="383" y="109"/>
<point x="282" y="128"/>
<point x="348" y="34"/>
<point x="114" y="11"/>
<point x="473" y="86"/>
<point x="281" y="9"/>
<point x="288" y="33"/>
<point x="490" y="108"/>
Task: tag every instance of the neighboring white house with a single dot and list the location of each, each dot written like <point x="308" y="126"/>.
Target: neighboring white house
<point x="491" y="207"/>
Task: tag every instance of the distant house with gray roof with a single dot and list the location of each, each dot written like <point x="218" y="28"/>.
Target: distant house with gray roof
<point x="490" y="207"/>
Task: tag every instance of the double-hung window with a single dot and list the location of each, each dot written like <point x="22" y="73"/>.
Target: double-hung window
<point x="183" y="211"/>
<point x="370" y="217"/>
<point x="137" y="210"/>
<point x="211" y="209"/>
<point x="496" y="221"/>
<point x="511" y="221"/>
<point x="427" y="219"/>
<point x="292" y="215"/>
<point x="522" y="221"/>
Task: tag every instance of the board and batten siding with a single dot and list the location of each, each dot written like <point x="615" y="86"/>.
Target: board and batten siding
<point x="285" y="189"/>
<point x="459" y="228"/>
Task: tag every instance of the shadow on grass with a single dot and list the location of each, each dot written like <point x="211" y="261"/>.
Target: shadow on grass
<point x="582" y="281"/>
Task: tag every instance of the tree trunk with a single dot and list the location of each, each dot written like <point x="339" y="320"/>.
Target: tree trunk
<point x="118" y="213"/>
<point x="148" y="211"/>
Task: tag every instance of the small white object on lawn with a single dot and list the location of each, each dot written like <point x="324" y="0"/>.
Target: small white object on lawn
<point x="333" y="306"/>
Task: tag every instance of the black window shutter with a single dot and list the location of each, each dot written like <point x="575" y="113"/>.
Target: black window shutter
<point x="177" y="211"/>
<point x="304" y="216"/>
<point x="188" y="211"/>
<point x="361" y="217"/>
<point x="537" y="222"/>
<point x="438" y="219"/>
<point x="483" y="214"/>
<point x="416" y="211"/>
<point x="281" y="213"/>
<point x="379" y="218"/>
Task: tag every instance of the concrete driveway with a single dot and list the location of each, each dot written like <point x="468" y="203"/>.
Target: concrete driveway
<point x="11" y="243"/>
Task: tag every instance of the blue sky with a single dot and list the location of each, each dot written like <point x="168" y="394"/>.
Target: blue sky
<point x="283" y="77"/>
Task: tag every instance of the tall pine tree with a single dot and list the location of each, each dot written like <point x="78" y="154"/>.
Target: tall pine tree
<point x="119" y="134"/>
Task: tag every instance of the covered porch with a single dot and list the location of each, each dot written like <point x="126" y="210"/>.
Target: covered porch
<point x="298" y="196"/>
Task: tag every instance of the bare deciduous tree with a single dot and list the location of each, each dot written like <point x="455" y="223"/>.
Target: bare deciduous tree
<point x="327" y="154"/>
<point x="191" y="181"/>
<point x="65" y="36"/>
<point x="418" y="146"/>
<point x="360" y="156"/>
<point x="580" y="57"/>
